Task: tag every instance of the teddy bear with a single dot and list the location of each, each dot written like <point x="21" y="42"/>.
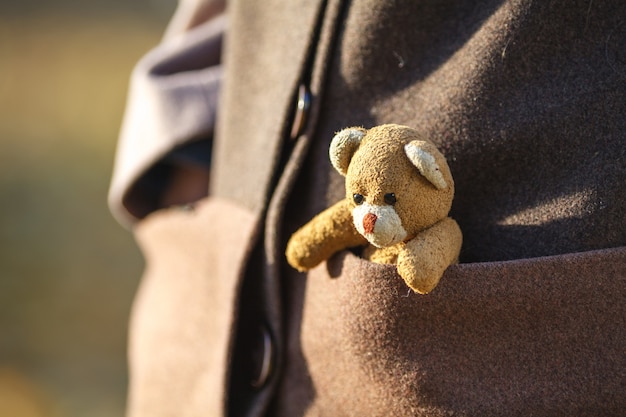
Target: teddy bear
<point x="399" y="192"/>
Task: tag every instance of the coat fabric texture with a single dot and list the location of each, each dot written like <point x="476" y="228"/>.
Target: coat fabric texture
<point x="527" y="101"/>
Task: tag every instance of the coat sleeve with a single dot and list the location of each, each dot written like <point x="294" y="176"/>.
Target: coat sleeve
<point x="171" y="109"/>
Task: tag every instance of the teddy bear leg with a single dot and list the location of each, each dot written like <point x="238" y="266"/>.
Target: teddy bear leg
<point x="424" y="259"/>
<point x="386" y="255"/>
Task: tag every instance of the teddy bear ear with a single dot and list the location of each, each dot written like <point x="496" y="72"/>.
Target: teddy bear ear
<point x="422" y="155"/>
<point x="343" y="146"/>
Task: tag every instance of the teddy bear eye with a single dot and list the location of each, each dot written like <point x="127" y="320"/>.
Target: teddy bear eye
<point x="358" y="199"/>
<point x="390" y="198"/>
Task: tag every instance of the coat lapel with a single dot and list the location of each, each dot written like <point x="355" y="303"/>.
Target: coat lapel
<point x="256" y="108"/>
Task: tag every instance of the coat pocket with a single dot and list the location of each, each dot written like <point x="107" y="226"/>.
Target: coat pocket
<point x="184" y="309"/>
<point x="543" y="336"/>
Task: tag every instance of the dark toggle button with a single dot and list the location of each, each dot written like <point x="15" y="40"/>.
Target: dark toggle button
<point x="263" y="358"/>
<point x="302" y="110"/>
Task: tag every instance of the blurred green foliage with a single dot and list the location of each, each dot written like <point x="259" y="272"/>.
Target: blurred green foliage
<point x="67" y="270"/>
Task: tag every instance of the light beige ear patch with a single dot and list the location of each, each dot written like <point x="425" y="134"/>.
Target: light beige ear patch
<point x="343" y="146"/>
<point x="425" y="162"/>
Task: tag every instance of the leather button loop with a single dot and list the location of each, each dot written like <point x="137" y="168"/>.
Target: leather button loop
<point x="302" y="109"/>
<point x="263" y="358"/>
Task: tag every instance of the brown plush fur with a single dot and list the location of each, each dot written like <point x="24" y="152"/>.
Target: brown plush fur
<point x="406" y="193"/>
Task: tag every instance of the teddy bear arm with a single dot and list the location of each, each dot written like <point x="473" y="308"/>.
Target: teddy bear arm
<point x="424" y="258"/>
<point x="330" y="231"/>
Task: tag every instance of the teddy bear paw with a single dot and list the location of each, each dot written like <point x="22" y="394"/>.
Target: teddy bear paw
<point x="420" y="275"/>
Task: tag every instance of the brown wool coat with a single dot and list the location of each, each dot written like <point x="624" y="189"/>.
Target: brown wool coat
<point x="527" y="100"/>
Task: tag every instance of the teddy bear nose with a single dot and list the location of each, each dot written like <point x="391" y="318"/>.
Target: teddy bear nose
<point x="369" y="220"/>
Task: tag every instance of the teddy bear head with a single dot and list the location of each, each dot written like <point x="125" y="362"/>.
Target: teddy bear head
<point x="397" y="182"/>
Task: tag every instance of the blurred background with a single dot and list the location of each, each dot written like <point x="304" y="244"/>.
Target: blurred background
<point x="68" y="271"/>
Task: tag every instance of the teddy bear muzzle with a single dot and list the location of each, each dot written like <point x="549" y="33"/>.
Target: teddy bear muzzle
<point x="380" y="225"/>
